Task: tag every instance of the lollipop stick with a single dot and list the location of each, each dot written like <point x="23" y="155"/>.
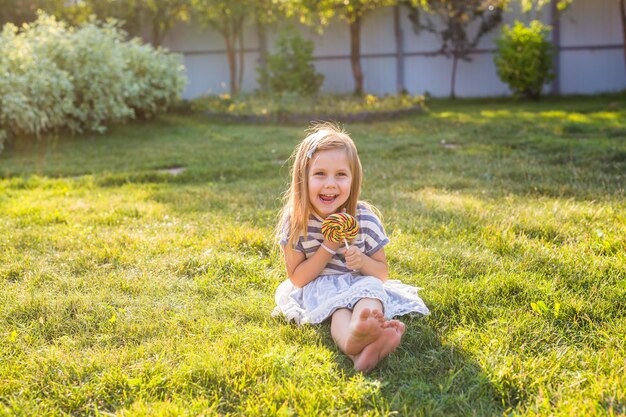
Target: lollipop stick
<point x="346" y="242"/>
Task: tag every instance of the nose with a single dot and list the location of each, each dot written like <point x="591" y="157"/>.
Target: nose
<point x="330" y="182"/>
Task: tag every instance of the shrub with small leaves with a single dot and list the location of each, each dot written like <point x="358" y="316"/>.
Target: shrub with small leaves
<point x="35" y="94"/>
<point x="97" y="64"/>
<point x="54" y="77"/>
<point x="156" y="78"/>
<point x="524" y="58"/>
<point x="291" y="69"/>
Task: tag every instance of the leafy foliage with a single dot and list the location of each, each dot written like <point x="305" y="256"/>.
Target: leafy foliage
<point x="35" y="94"/>
<point x="528" y="5"/>
<point x="157" y="78"/>
<point x="524" y="58"/>
<point x="318" y="13"/>
<point x="53" y="77"/>
<point x="158" y="16"/>
<point x="457" y="17"/>
<point x="23" y="11"/>
<point x="454" y="25"/>
<point x="228" y="18"/>
<point x="291" y="68"/>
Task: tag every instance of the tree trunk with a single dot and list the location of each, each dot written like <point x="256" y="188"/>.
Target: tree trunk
<point x="455" y="60"/>
<point x="262" y="62"/>
<point x="399" y="50"/>
<point x="232" y="57"/>
<point x="239" y="33"/>
<point x="355" y="54"/>
<point x="156" y="33"/>
<point x="622" y="9"/>
<point x="556" y="42"/>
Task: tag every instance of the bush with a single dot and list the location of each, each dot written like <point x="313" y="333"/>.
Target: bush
<point x="157" y="78"/>
<point x="53" y="78"/>
<point x="290" y="69"/>
<point x="35" y="94"/>
<point x="524" y="58"/>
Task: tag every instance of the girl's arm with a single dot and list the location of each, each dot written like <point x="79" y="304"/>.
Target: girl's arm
<point x="374" y="265"/>
<point x="300" y="270"/>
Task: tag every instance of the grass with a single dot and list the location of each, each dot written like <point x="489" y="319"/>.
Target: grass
<point x="286" y="104"/>
<point x="129" y="291"/>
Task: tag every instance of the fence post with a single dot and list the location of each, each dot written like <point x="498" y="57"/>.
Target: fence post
<point x="556" y="41"/>
<point x="399" y="50"/>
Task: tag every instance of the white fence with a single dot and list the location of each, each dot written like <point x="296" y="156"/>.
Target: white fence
<point x="590" y="54"/>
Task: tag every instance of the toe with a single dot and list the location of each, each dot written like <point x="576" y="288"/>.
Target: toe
<point x="365" y="314"/>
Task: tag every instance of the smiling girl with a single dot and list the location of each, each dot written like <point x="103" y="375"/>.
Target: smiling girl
<point x="326" y="281"/>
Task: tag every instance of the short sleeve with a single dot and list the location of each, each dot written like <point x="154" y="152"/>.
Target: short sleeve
<point x="372" y="230"/>
<point x="284" y="238"/>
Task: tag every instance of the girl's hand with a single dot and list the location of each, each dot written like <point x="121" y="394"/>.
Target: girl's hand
<point x="354" y="258"/>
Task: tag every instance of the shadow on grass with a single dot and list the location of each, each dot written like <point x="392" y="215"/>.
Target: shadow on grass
<point x="425" y="377"/>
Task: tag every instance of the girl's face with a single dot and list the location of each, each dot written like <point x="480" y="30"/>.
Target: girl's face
<point x="330" y="181"/>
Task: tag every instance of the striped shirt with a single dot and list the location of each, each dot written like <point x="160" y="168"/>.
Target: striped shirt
<point x="370" y="239"/>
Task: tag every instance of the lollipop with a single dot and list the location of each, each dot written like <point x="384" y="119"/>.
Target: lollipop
<point x="340" y="226"/>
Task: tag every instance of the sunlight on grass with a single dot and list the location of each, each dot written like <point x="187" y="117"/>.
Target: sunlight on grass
<point x="606" y="116"/>
<point x="453" y="202"/>
<point x="457" y="116"/>
<point x="130" y="291"/>
<point x="596" y="117"/>
<point x="496" y="113"/>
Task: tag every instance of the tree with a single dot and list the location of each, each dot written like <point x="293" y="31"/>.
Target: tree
<point x="23" y="11"/>
<point x="227" y="17"/>
<point x="267" y="13"/>
<point x="528" y="5"/>
<point x="456" y="17"/>
<point x="158" y="15"/>
<point x="162" y="15"/>
<point x="127" y="12"/>
<point x="622" y="12"/>
<point x="350" y="11"/>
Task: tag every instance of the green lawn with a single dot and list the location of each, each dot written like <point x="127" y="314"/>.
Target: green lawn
<point x="128" y="291"/>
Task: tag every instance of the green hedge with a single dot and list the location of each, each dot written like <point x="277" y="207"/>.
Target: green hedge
<point x="54" y="77"/>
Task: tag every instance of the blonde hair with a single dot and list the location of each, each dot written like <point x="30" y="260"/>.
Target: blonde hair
<point x="297" y="207"/>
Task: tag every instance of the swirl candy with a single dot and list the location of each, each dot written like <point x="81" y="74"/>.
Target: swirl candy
<point x="340" y="226"/>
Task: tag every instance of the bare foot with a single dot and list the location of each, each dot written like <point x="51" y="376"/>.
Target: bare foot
<point x="394" y="324"/>
<point x="363" y="331"/>
<point x="373" y="353"/>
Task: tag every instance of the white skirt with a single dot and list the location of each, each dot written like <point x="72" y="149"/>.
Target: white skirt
<point x="319" y="299"/>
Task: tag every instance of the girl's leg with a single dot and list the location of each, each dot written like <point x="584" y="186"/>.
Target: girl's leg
<point x="374" y="305"/>
<point x="340" y="322"/>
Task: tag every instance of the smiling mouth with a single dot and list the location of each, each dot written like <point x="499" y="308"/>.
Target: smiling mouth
<point x="328" y="198"/>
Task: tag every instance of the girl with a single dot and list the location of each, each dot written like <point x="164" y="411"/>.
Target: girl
<point x="326" y="280"/>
